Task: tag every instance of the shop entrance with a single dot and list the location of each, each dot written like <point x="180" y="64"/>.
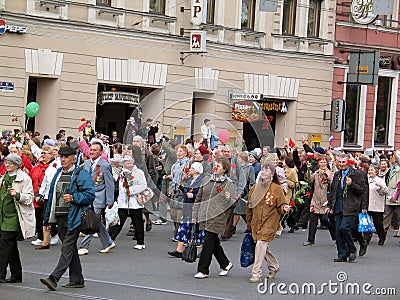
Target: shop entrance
<point x="260" y="133"/>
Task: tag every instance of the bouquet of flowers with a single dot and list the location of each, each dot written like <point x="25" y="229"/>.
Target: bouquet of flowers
<point x="301" y="193"/>
<point x="19" y="130"/>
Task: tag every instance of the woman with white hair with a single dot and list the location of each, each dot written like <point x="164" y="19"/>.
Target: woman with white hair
<point x="131" y="182"/>
<point x="185" y="228"/>
<point x="16" y="148"/>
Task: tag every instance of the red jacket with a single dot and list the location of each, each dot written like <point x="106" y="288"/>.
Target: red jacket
<point x="37" y="175"/>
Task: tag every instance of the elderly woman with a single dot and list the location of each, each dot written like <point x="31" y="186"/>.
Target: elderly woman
<point x="132" y="181"/>
<point x="321" y="180"/>
<point x="185" y="228"/>
<point x="216" y="195"/>
<point x="37" y="175"/>
<point x="265" y="206"/>
<point x="16" y="195"/>
<point x="376" y="206"/>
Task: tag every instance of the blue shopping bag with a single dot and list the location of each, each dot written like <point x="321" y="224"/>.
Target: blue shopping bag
<point x="364" y="223"/>
<point x="247" y="251"/>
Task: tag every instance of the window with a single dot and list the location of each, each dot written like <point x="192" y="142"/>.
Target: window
<point x="289" y="17"/>
<point x="210" y="11"/>
<point x="248" y="13"/>
<point x="103" y="2"/>
<point x="382" y="110"/>
<point x="314" y="16"/>
<point x="157" y="6"/>
<point x="351" y="116"/>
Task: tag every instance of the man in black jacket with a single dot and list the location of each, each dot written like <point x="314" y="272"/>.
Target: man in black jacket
<point x="345" y="201"/>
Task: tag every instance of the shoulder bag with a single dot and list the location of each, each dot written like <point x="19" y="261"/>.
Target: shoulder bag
<point x="189" y="253"/>
<point x="90" y="221"/>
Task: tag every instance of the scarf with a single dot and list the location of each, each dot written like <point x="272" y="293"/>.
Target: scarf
<point x="259" y="192"/>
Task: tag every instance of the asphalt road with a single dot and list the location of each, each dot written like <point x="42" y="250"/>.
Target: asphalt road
<point x="125" y="273"/>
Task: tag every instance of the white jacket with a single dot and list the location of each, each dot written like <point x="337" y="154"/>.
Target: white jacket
<point x="377" y="194"/>
<point x="137" y="184"/>
<point x="48" y="177"/>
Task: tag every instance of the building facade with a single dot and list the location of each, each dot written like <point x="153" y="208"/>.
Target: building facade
<point x="106" y="60"/>
<point x="372" y="111"/>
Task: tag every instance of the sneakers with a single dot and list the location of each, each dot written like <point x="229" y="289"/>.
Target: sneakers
<point x="272" y="274"/>
<point x="139" y="247"/>
<point x="83" y="251"/>
<point x="352" y="257"/>
<point x="107" y="249"/>
<point x="225" y="271"/>
<point x="307" y="243"/>
<point x="54" y="240"/>
<point x="200" y="275"/>
<point x="174" y="239"/>
<point x="254" y="279"/>
<point x="160" y="222"/>
<point x="37" y="242"/>
<point x="50" y="282"/>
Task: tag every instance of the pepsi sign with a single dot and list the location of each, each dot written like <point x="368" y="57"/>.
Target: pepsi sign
<point x="12" y="28"/>
<point x="2" y="26"/>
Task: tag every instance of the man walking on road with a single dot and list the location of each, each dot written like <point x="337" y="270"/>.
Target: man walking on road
<point x="345" y="201"/>
<point x="71" y="190"/>
<point x="101" y="174"/>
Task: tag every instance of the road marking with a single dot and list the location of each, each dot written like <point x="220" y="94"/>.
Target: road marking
<point x="136" y="286"/>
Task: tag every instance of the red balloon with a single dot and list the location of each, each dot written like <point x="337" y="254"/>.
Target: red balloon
<point x="224" y="136"/>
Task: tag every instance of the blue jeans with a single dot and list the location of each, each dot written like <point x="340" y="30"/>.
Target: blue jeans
<point x="343" y="236"/>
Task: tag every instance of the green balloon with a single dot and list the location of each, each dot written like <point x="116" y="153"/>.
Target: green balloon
<point x="32" y="109"/>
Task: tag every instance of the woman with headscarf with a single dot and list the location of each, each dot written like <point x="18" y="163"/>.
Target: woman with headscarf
<point x="266" y="205"/>
<point x="185" y="228"/>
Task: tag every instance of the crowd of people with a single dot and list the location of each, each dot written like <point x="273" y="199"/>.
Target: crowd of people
<point x="204" y="187"/>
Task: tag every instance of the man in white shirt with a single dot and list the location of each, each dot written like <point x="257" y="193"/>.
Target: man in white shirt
<point x="206" y="132"/>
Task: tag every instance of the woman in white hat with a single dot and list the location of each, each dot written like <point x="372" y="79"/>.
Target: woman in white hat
<point x="16" y="148"/>
<point x="16" y="195"/>
<point x="185" y="228"/>
<point x="132" y="181"/>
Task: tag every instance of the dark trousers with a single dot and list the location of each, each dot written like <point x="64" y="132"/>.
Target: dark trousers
<point x="305" y="214"/>
<point x="312" y="229"/>
<point x="377" y="218"/>
<point x="137" y="219"/>
<point x="39" y="212"/>
<point x="9" y="255"/>
<point x="211" y="246"/>
<point x="344" y="240"/>
<point x="69" y="258"/>
<point x="355" y="234"/>
<point x="229" y="223"/>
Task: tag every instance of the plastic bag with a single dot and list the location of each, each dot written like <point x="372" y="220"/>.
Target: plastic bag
<point x="112" y="217"/>
<point x="247" y="251"/>
<point x="364" y="223"/>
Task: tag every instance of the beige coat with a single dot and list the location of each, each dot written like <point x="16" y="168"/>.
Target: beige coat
<point x="377" y="195"/>
<point x="394" y="178"/>
<point x="292" y="182"/>
<point x="26" y="212"/>
<point x="319" y="200"/>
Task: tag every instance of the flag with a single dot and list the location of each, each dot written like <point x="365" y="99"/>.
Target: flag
<point x="291" y="143"/>
<point x="331" y="139"/>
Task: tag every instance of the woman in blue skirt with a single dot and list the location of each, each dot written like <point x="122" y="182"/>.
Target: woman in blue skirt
<point x="185" y="228"/>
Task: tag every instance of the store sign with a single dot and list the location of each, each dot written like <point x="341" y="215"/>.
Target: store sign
<point x="199" y="12"/>
<point x="12" y="28"/>
<point x="253" y="97"/>
<point x="273" y="106"/>
<point x="197" y="41"/>
<point x="390" y="62"/>
<point x="246" y="111"/>
<point x="361" y="11"/>
<point x="338" y="111"/>
<point x="118" y="97"/>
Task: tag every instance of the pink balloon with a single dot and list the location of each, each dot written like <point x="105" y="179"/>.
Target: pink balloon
<point x="224" y="136"/>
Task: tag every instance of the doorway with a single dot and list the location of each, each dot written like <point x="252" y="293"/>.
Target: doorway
<point x="260" y="133"/>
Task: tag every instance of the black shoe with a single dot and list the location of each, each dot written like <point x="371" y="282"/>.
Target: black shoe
<point x="381" y="242"/>
<point x="308" y="243"/>
<point x="74" y="285"/>
<point x="13" y="280"/>
<point x="352" y="257"/>
<point x="233" y="230"/>
<point x="134" y="238"/>
<point x="291" y="230"/>
<point x="148" y="226"/>
<point x="340" y="260"/>
<point x="50" y="282"/>
<point x="3" y="280"/>
<point x="362" y="251"/>
<point x="175" y="253"/>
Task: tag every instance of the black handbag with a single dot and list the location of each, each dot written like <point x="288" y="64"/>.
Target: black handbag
<point x="90" y="222"/>
<point x="189" y="253"/>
